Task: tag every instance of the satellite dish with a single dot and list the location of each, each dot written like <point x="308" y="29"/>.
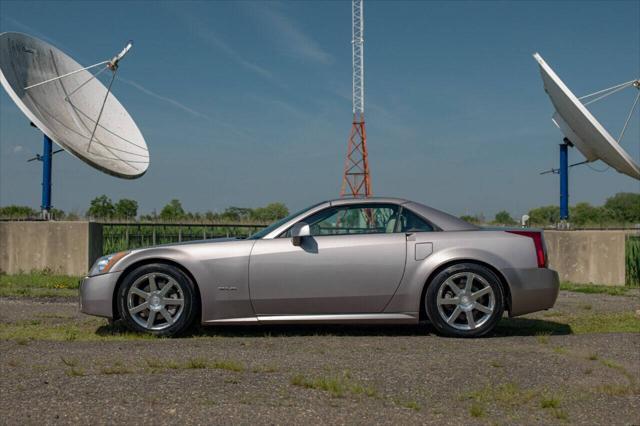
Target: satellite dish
<point x="71" y="106"/>
<point x="581" y="128"/>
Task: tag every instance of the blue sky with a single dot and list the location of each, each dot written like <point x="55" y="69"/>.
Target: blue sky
<point x="244" y="103"/>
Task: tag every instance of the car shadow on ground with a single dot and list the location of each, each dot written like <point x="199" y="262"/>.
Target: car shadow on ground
<point x="506" y="328"/>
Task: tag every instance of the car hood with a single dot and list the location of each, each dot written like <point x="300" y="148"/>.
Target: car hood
<point x="186" y="243"/>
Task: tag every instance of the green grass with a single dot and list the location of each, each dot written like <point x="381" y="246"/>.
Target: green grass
<point x="594" y="289"/>
<point x="412" y="405"/>
<point x="617" y="322"/>
<point x="477" y="410"/>
<point x="90" y="330"/>
<point x="585" y="322"/>
<point x="550" y="401"/>
<point x="75" y="372"/>
<point x="38" y="284"/>
<point x="196" y="363"/>
<point x="336" y="386"/>
<point x="193" y="364"/>
<point x="117" y="368"/>
<point x="228" y="365"/>
<point x="510" y="398"/>
<point x="543" y="338"/>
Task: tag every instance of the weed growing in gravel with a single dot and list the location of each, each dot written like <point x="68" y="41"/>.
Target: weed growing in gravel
<point x="507" y="396"/>
<point x="117" y="368"/>
<point x="228" y="365"/>
<point x="336" y="386"/>
<point x="550" y="401"/>
<point x="328" y="384"/>
<point x="584" y="322"/>
<point x="560" y="350"/>
<point x="69" y="362"/>
<point x="543" y="338"/>
<point x="477" y="410"/>
<point x="412" y="405"/>
<point x="88" y="330"/>
<point x="265" y="369"/>
<point x="196" y="363"/>
<point x="617" y="322"/>
<point x="593" y="357"/>
<point x="496" y="364"/>
<point x="594" y="289"/>
<point x="611" y="364"/>
<point x="560" y="414"/>
<point x="619" y="390"/>
<point x="75" y="372"/>
<point x="24" y="341"/>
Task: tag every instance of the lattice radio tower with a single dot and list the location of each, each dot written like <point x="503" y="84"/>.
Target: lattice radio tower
<point x="356" y="181"/>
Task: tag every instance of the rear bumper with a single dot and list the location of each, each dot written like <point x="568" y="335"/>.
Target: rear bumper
<point x="532" y="289"/>
<point x="96" y="294"/>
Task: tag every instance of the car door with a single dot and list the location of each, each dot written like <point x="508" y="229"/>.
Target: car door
<point x="352" y="263"/>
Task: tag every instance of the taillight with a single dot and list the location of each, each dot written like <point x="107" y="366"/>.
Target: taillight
<point x="537" y="241"/>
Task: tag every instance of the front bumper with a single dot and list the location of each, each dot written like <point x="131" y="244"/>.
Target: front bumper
<point x="96" y="294"/>
<point x="532" y="290"/>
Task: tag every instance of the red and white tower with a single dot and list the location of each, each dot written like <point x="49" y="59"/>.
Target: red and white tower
<point x="356" y="181"/>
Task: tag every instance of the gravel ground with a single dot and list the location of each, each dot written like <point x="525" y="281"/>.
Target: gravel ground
<point x="327" y="374"/>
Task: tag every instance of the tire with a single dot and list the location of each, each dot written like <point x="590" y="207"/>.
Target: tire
<point x="455" y="310"/>
<point x="158" y="290"/>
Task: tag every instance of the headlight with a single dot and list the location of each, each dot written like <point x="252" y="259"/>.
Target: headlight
<point x="105" y="263"/>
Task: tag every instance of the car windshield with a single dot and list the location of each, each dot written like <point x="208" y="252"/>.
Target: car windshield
<point x="279" y="223"/>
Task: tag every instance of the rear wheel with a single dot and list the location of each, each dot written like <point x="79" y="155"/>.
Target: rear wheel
<point x="157" y="299"/>
<point x="465" y="300"/>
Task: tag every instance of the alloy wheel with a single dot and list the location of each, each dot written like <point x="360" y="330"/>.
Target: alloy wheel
<point x="155" y="301"/>
<point x="466" y="301"/>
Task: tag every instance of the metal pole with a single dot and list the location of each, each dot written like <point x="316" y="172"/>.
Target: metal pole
<point x="47" y="156"/>
<point x="564" y="182"/>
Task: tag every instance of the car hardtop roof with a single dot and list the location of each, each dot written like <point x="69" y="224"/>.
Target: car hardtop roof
<point x="440" y="219"/>
<point x="372" y="200"/>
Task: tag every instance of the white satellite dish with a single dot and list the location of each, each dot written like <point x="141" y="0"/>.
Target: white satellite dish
<point x="581" y="128"/>
<point x="71" y="106"/>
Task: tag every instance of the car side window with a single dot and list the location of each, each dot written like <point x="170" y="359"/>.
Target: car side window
<point x="354" y="219"/>
<point x="411" y="222"/>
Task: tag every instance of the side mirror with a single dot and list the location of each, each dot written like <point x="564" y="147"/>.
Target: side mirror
<point x="299" y="231"/>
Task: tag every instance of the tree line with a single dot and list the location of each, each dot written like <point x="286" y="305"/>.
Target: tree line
<point x="103" y="208"/>
<point x="621" y="209"/>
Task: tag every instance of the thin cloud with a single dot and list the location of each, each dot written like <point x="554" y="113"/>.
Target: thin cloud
<point x="138" y="86"/>
<point x="34" y="32"/>
<point x="208" y="36"/>
<point x="292" y="37"/>
<point x="164" y="98"/>
<point x="17" y="149"/>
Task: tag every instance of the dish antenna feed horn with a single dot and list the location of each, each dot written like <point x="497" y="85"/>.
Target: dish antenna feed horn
<point x="72" y="108"/>
<point x="584" y="132"/>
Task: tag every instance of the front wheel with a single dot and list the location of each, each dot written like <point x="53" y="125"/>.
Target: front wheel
<point x="465" y="300"/>
<point x="157" y="299"/>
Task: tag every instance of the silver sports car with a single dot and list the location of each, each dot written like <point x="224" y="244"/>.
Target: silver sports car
<point x="376" y="260"/>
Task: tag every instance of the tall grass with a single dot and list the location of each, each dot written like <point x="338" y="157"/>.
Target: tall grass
<point x="632" y="261"/>
<point x="118" y="237"/>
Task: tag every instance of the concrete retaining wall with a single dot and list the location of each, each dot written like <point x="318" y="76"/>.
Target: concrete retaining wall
<point x="588" y="256"/>
<point x="72" y="247"/>
<point x="68" y="248"/>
